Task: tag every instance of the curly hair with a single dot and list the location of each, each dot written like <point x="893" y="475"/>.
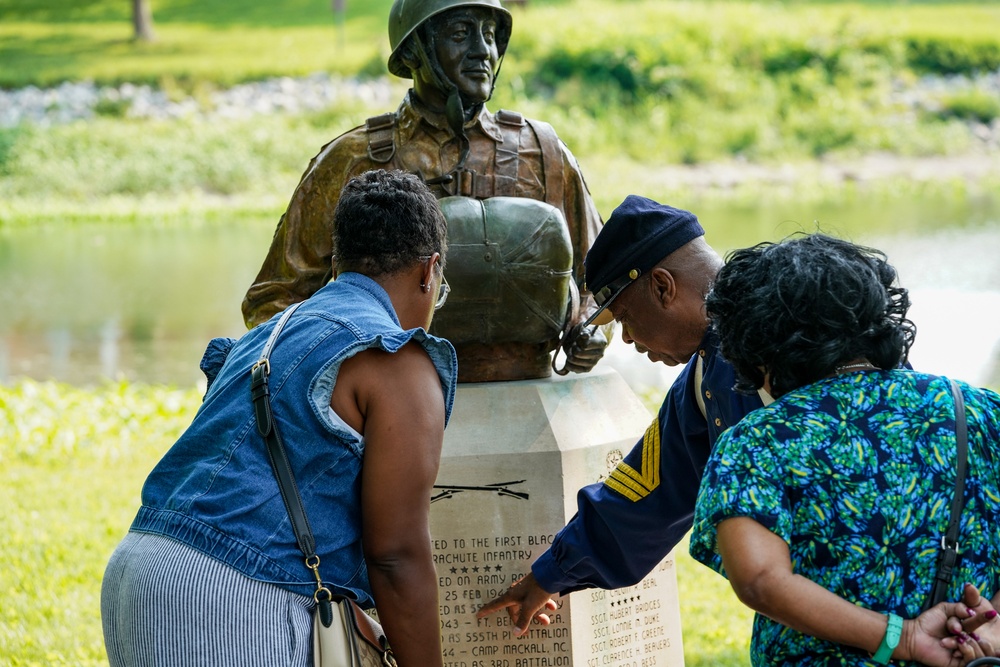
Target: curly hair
<point x="384" y="222"/>
<point x="797" y="309"/>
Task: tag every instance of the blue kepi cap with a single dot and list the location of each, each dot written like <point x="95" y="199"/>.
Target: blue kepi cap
<point x="639" y="234"/>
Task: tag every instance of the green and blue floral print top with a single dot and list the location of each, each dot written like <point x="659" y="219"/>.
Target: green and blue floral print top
<point x="856" y="473"/>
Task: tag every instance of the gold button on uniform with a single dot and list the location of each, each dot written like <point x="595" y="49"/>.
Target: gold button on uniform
<point x="718" y="422"/>
<point x="708" y="394"/>
<point x="701" y="353"/>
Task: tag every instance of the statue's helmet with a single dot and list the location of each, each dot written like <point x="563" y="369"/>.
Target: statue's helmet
<point x="408" y="15"/>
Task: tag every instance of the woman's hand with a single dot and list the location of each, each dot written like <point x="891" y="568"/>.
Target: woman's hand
<point x="925" y="639"/>
<point x="980" y="627"/>
<point x="937" y="637"/>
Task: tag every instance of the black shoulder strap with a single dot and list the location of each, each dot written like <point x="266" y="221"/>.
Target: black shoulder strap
<point x="282" y="468"/>
<point x="948" y="556"/>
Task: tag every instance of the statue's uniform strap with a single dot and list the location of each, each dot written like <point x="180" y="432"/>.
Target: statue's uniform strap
<point x="552" y="162"/>
<point x="381" y="146"/>
<point x="507" y="153"/>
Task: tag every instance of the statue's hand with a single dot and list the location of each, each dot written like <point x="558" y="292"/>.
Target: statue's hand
<point x="584" y="348"/>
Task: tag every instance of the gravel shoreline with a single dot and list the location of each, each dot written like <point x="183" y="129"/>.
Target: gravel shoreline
<point x="81" y="101"/>
<point x="74" y="101"/>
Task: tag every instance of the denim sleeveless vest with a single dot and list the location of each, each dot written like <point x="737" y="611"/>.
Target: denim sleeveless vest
<point x="214" y="489"/>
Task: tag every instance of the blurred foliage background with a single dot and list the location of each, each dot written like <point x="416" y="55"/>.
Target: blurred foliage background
<point x="631" y="86"/>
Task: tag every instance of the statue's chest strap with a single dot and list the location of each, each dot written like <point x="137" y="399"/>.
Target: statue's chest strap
<point x="502" y="183"/>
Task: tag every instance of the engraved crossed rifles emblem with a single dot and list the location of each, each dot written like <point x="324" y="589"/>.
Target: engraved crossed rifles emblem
<point x="499" y="488"/>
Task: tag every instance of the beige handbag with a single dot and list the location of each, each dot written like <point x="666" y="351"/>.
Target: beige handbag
<point x="343" y="634"/>
<point x="353" y="639"/>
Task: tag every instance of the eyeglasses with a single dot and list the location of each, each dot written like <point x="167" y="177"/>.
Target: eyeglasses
<point x="444" y="290"/>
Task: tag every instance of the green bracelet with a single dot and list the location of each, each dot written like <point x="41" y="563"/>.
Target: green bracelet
<point x="891" y="640"/>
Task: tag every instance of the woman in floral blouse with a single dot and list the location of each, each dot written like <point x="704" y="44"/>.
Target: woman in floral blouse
<point x="826" y="509"/>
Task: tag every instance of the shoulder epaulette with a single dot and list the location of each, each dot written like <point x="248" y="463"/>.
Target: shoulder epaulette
<point x="506" y="117"/>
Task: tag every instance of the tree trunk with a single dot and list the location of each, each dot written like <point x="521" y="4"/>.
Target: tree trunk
<point x="142" y="20"/>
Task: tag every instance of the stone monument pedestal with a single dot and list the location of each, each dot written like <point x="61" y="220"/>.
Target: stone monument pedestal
<point x="515" y="454"/>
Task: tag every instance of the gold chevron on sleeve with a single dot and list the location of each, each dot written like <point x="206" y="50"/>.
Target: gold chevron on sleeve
<point x="635" y="485"/>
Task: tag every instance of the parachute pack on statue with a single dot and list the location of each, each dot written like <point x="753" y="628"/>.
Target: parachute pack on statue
<point x="510" y="264"/>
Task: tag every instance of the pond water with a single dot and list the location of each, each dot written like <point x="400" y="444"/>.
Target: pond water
<point x="83" y="304"/>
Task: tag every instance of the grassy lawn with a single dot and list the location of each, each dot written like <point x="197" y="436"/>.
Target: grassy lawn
<point x="47" y="41"/>
<point x="716" y="625"/>
<point x="74" y="461"/>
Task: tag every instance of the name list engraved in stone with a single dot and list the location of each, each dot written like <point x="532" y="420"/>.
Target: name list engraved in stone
<point x="631" y="631"/>
<point x="625" y="625"/>
<point x="475" y="569"/>
<point x="514" y="456"/>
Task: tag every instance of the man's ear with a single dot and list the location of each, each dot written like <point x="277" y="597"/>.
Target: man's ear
<point x="663" y="286"/>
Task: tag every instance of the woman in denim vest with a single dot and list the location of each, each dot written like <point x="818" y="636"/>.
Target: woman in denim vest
<point x="210" y="572"/>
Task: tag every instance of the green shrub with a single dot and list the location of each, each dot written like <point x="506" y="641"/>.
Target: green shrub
<point x="614" y="72"/>
<point x="143" y="157"/>
<point x="112" y="108"/>
<point x="49" y="423"/>
<point x="8" y="138"/>
<point x="973" y="104"/>
<point x="696" y="86"/>
<point x="785" y="58"/>
<point x="375" y="67"/>
<point x="74" y="460"/>
<point x="949" y="55"/>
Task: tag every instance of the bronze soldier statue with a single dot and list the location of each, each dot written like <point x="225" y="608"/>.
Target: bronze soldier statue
<point x="519" y="214"/>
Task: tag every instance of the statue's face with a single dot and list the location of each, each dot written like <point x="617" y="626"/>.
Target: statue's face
<point x="466" y="49"/>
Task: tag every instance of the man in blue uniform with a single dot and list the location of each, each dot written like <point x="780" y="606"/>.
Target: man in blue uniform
<point x="649" y="269"/>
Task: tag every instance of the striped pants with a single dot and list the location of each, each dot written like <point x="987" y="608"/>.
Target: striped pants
<point x="164" y="603"/>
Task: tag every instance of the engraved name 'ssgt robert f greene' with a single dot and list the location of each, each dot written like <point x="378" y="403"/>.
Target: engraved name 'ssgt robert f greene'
<point x="519" y="214"/>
